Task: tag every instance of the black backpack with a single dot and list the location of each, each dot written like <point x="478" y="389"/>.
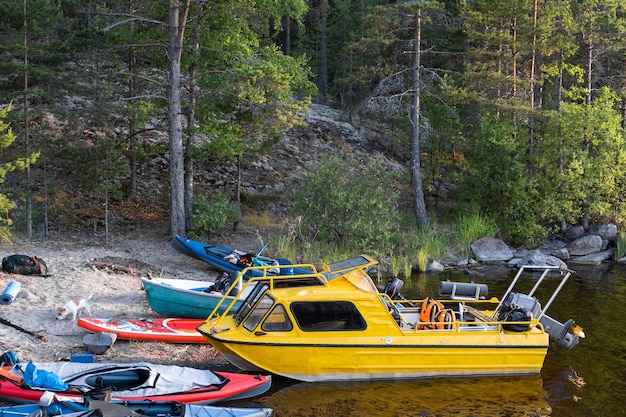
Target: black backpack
<point x="24" y="265"/>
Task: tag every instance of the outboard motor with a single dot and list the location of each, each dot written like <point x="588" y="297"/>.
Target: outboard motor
<point x="392" y="289"/>
<point x="566" y="335"/>
<point x="518" y="307"/>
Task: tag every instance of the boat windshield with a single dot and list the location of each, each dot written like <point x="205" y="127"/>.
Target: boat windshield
<point x="258" y="312"/>
<point x="277" y="320"/>
<point x="250" y="301"/>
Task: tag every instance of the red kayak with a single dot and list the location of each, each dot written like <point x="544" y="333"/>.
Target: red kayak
<point x="140" y="381"/>
<point x="171" y="330"/>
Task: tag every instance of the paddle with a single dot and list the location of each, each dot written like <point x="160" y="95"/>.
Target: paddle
<point x="262" y="249"/>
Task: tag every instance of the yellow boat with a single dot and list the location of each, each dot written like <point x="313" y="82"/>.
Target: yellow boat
<point x="334" y="324"/>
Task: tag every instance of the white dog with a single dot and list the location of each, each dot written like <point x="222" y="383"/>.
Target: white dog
<point x="74" y="307"/>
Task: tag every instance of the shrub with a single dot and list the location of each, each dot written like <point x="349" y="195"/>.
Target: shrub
<point x="213" y="212"/>
<point x="343" y="204"/>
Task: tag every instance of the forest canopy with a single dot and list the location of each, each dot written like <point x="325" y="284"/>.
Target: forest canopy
<point x="521" y="104"/>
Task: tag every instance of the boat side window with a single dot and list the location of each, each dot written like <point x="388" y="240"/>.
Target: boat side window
<point x="322" y="316"/>
<point x="258" y="312"/>
<point x="277" y="320"/>
<point x="251" y="299"/>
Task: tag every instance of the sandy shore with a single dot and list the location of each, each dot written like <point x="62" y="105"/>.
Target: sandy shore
<point x="75" y="270"/>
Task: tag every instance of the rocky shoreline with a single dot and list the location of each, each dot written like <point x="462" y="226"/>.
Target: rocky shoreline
<point x="576" y="246"/>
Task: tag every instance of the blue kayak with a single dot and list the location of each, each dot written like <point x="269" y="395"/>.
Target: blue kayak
<point x="129" y="408"/>
<point x="229" y="260"/>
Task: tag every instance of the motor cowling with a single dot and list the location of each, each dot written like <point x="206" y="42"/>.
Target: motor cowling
<point x="393" y="287"/>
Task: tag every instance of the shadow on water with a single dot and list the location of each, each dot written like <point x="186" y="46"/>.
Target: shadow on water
<point x="588" y="380"/>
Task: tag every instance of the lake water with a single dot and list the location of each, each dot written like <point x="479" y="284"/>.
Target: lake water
<point x="589" y="380"/>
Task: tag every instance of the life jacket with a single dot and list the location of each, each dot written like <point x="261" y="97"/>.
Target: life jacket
<point x="445" y="319"/>
<point x="428" y="314"/>
<point x="434" y="316"/>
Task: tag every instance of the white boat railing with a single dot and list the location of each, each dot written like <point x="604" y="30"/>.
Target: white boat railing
<point x="566" y="273"/>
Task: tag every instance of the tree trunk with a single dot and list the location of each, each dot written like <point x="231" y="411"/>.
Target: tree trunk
<point x="174" y="51"/>
<point x="531" y="93"/>
<point x="132" y="58"/>
<point x="29" y="200"/>
<point x="287" y="29"/>
<point x="191" y="120"/>
<point x="323" y="67"/>
<point x="416" y="175"/>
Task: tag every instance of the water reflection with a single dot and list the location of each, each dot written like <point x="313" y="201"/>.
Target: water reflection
<point x="508" y="396"/>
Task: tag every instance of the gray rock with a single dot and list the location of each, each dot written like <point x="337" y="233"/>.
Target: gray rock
<point x="490" y="249"/>
<point x="561" y="253"/>
<point x="434" y="267"/>
<point x="585" y="245"/>
<point x="537" y="258"/>
<point x="465" y="262"/>
<point x="594" y="258"/>
<point x="605" y="231"/>
<point x="520" y="253"/>
<point x="515" y="262"/>
<point x="575" y="232"/>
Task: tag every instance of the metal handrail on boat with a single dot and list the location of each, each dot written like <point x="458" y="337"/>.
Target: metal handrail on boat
<point x="547" y="269"/>
<point x="269" y="276"/>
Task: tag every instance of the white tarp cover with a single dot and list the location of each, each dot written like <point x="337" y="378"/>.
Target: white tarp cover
<point x="163" y="378"/>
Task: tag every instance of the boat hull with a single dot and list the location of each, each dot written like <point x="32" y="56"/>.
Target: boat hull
<point x="168" y="330"/>
<point x="448" y="354"/>
<point x="183" y="298"/>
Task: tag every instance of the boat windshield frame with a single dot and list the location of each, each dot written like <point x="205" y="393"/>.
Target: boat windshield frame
<point x="250" y="302"/>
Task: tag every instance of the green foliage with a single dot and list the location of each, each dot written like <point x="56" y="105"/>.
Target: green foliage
<point x="620" y="245"/>
<point x="344" y="205"/>
<point x="422" y="259"/>
<point x="594" y="157"/>
<point x="6" y="139"/>
<point x="472" y="225"/>
<point x="213" y="212"/>
<point x="499" y="182"/>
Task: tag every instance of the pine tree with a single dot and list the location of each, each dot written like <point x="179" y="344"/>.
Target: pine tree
<point x="6" y="139"/>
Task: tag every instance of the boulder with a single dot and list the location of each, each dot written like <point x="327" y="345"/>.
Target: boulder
<point x="585" y="245"/>
<point x="593" y="258"/>
<point x="462" y="263"/>
<point x="535" y="257"/>
<point x="574" y="232"/>
<point x="434" y="267"/>
<point x="605" y="231"/>
<point x="562" y="253"/>
<point x="491" y="249"/>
